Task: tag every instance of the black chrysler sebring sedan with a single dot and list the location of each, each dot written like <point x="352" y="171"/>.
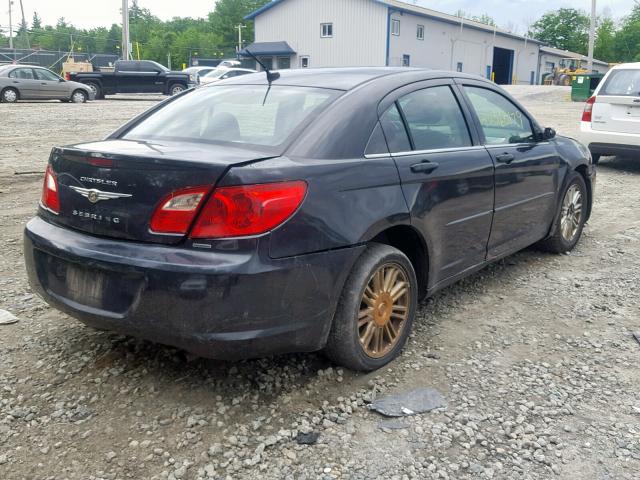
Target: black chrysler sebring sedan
<point x="304" y="211"/>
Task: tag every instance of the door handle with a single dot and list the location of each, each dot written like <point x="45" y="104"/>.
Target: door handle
<point x="505" y="158"/>
<point x="424" y="167"/>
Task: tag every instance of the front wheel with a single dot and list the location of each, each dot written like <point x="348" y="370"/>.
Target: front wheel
<point x="176" y="88"/>
<point x="376" y="310"/>
<point x="571" y="217"/>
<point x="78" y="97"/>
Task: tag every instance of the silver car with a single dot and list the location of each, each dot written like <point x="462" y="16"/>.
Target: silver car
<point x="26" y="82"/>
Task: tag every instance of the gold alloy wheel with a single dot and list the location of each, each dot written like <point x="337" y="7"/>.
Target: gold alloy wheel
<point x="384" y="309"/>
<point x="571" y="213"/>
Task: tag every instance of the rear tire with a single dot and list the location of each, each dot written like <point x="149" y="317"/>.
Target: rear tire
<point x="10" y="95"/>
<point x="571" y="217"/>
<point x="376" y="310"/>
<point x="95" y="88"/>
<point x="176" y="88"/>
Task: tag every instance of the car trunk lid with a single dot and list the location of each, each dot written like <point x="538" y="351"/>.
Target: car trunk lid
<point x="112" y="188"/>
<point x="617" y="113"/>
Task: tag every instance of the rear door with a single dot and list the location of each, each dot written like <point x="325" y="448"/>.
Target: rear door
<point x="51" y="86"/>
<point x="447" y="178"/>
<point x="527" y="171"/>
<point x="617" y="107"/>
<point x="127" y="77"/>
<point x="24" y="80"/>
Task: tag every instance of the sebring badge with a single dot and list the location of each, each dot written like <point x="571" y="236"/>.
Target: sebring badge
<point x="94" y="195"/>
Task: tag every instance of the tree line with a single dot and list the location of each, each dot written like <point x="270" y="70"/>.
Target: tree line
<point x="152" y="39"/>
<point x="568" y="29"/>
<point x="216" y="36"/>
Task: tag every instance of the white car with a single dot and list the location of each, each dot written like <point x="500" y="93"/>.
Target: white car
<point x="611" y="118"/>
<point x="224" y="73"/>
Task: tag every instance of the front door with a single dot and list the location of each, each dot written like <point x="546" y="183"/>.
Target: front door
<point x="447" y="179"/>
<point x="527" y="171"/>
<point x="51" y="85"/>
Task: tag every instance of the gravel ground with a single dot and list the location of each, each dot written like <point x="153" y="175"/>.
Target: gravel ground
<point x="534" y="356"/>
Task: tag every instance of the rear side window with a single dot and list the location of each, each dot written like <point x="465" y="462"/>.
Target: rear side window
<point x="623" y="83"/>
<point x="238" y="114"/>
<point x="434" y="119"/>
<point x="22" y="73"/>
<point x="502" y="121"/>
<point x="394" y="131"/>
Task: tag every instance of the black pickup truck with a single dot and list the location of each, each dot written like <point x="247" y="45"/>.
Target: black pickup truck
<point x="135" y="76"/>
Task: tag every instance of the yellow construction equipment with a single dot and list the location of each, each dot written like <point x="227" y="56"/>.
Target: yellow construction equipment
<point x="566" y="70"/>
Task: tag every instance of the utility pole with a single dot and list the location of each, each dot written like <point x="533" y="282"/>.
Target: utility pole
<point x="125" y="30"/>
<point x="10" y="27"/>
<point x="24" y="25"/>
<point x="240" y="27"/>
<point x="592" y="35"/>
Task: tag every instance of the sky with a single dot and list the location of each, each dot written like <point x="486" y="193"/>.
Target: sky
<point x="514" y="14"/>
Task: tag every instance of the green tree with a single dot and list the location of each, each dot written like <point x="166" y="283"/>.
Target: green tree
<point x="605" y="41"/>
<point x="627" y="39"/>
<point x="36" y="22"/>
<point x="566" y="28"/>
<point x="228" y="14"/>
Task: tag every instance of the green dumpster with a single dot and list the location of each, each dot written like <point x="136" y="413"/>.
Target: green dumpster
<point x="583" y="86"/>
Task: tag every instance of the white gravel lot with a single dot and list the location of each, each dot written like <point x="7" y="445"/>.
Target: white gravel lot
<point x="534" y="356"/>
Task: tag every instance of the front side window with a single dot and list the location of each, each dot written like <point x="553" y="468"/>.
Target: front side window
<point x="46" y="75"/>
<point x="395" y="27"/>
<point x="326" y="30"/>
<point x="394" y="131"/>
<point x="501" y="121"/>
<point x="623" y="82"/>
<point x="434" y="119"/>
<point x="253" y="115"/>
<point x="420" y="32"/>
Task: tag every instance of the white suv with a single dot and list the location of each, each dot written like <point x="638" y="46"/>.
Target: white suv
<point x="611" y="118"/>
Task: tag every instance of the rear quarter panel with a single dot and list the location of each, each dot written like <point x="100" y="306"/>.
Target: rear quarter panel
<point x="348" y="201"/>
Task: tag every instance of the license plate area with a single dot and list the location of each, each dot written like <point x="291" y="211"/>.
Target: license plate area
<point x="94" y="287"/>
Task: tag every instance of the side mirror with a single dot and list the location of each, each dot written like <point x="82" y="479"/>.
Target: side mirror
<point x="548" y="134"/>
<point x="61" y="80"/>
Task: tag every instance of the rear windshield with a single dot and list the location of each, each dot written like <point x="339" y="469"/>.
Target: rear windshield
<point x="622" y="82"/>
<point x="251" y="115"/>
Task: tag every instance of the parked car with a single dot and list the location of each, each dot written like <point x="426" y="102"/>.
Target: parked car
<point x="222" y="73"/>
<point x="135" y="76"/>
<point x="196" y="72"/>
<point x="26" y="82"/>
<point x="611" y="118"/>
<point x="310" y="212"/>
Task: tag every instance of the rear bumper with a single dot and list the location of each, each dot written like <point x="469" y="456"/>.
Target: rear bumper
<point x="601" y="142"/>
<point x="228" y="303"/>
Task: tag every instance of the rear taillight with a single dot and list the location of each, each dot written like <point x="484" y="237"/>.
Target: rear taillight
<point x="248" y="209"/>
<point x="176" y="211"/>
<point x="50" y="198"/>
<point x="588" y="109"/>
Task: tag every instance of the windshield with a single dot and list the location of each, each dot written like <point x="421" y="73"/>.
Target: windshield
<point x="249" y="115"/>
<point x="623" y="82"/>
<point x="217" y="73"/>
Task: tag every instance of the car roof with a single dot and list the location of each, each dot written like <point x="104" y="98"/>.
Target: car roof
<point x="346" y="78"/>
<point x="627" y="66"/>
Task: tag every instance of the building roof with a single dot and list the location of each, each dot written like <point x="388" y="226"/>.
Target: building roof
<point x="423" y="12"/>
<point x="567" y="54"/>
<point x="268" y="48"/>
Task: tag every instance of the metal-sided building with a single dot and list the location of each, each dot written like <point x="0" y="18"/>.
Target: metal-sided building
<point x="335" y="33"/>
